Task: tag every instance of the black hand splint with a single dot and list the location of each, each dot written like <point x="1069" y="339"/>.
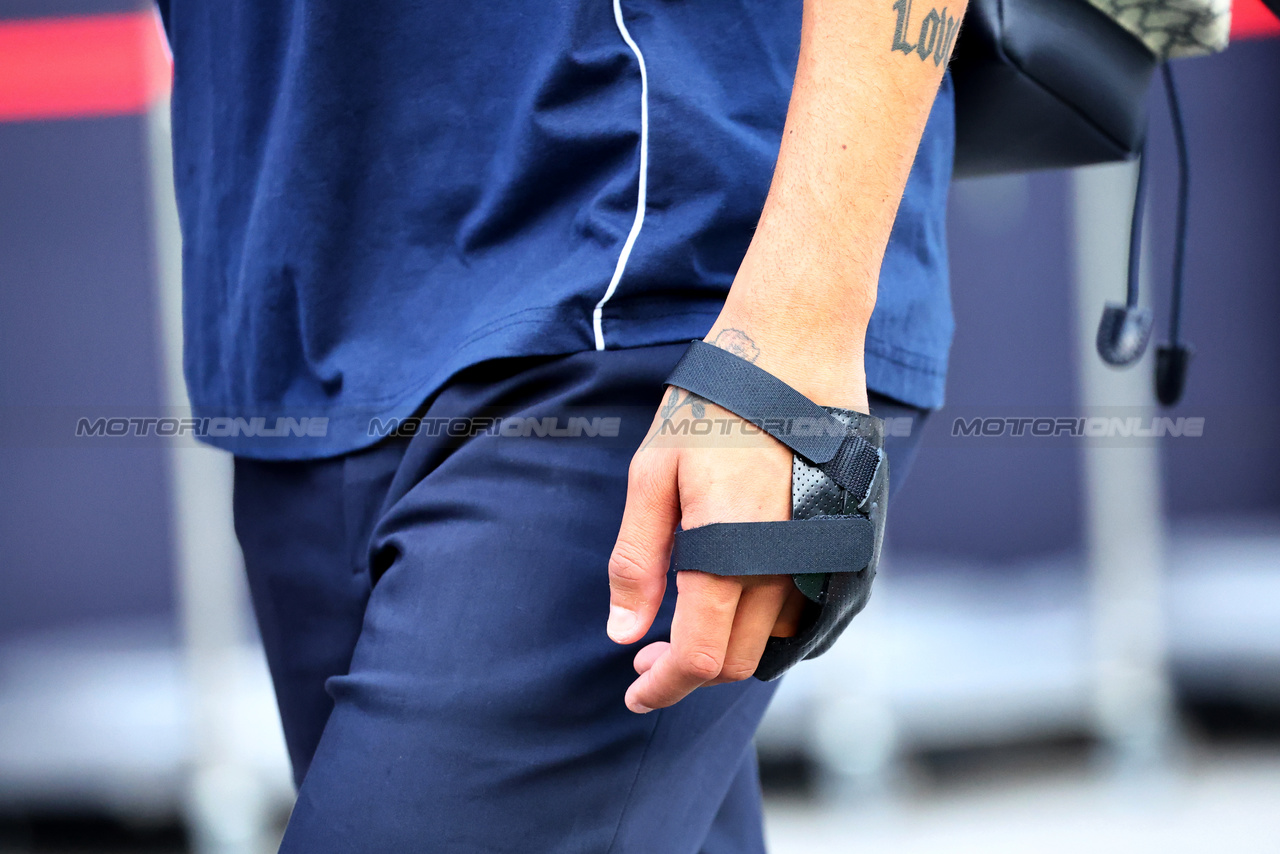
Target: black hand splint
<point x="839" y="491"/>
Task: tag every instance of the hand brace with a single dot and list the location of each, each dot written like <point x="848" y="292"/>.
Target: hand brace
<point x="839" y="492"/>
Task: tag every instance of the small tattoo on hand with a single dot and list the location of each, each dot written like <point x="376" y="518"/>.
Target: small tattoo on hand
<point x="677" y="399"/>
<point x="738" y="343"/>
<point x="671" y="404"/>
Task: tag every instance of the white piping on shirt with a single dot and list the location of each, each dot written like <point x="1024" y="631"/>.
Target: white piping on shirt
<point x="597" y="315"/>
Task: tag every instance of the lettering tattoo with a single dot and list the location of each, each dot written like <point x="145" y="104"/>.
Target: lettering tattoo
<point x="936" y="35"/>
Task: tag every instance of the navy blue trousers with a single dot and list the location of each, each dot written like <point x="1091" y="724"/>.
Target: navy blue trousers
<point x="433" y="613"/>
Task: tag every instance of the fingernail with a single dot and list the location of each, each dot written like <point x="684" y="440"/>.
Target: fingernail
<point x="638" y="708"/>
<point x="621" y="622"/>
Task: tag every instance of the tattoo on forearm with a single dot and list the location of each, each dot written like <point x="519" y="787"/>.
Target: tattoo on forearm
<point x="937" y="33"/>
<point x="736" y="342"/>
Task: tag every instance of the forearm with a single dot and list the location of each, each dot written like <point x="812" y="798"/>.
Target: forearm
<point x="867" y="76"/>
<point x="798" y="308"/>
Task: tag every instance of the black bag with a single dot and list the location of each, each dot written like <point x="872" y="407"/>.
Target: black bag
<point x="1044" y="84"/>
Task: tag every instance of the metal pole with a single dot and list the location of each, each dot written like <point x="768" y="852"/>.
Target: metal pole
<point x="226" y="802"/>
<point x="1124" y="530"/>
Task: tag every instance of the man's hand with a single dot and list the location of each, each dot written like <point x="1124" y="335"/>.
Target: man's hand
<point x="867" y="77"/>
<point x="699" y="464"/>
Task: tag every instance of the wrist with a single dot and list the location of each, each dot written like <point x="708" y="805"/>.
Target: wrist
<point x="801" y="316"/>
<point x="826" y="368"/>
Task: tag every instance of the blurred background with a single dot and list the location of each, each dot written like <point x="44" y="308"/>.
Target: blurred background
<point x="1074" y="644"/>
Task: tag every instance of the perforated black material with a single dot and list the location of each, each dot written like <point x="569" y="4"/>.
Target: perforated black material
<point x="839" y="596"/>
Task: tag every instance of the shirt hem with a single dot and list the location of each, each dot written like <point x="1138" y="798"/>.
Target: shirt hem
<point x="914" y="378"/>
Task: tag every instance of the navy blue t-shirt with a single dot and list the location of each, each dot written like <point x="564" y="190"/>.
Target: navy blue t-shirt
<point x="376" y="195"/>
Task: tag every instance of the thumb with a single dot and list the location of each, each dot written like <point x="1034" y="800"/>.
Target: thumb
<point x="642" y="555"/>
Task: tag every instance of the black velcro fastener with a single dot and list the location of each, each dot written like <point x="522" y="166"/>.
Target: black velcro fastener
<point x="854" y="466"/>
<point x="758" y="396"/>
<point x="819" y="544"/>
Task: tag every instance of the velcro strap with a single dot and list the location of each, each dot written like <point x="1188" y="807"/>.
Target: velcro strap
<point x="758" y="396"/>
<point x="854" y="466"/>
<point x="819" y="544"/>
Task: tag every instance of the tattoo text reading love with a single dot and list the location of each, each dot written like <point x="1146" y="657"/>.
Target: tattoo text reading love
<point x="937" y="32"/>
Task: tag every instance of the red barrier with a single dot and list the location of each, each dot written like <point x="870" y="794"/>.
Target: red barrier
<point x="96" y="65"/>
<point x="1250" y="19"/>
<point x="103" y="65"/>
